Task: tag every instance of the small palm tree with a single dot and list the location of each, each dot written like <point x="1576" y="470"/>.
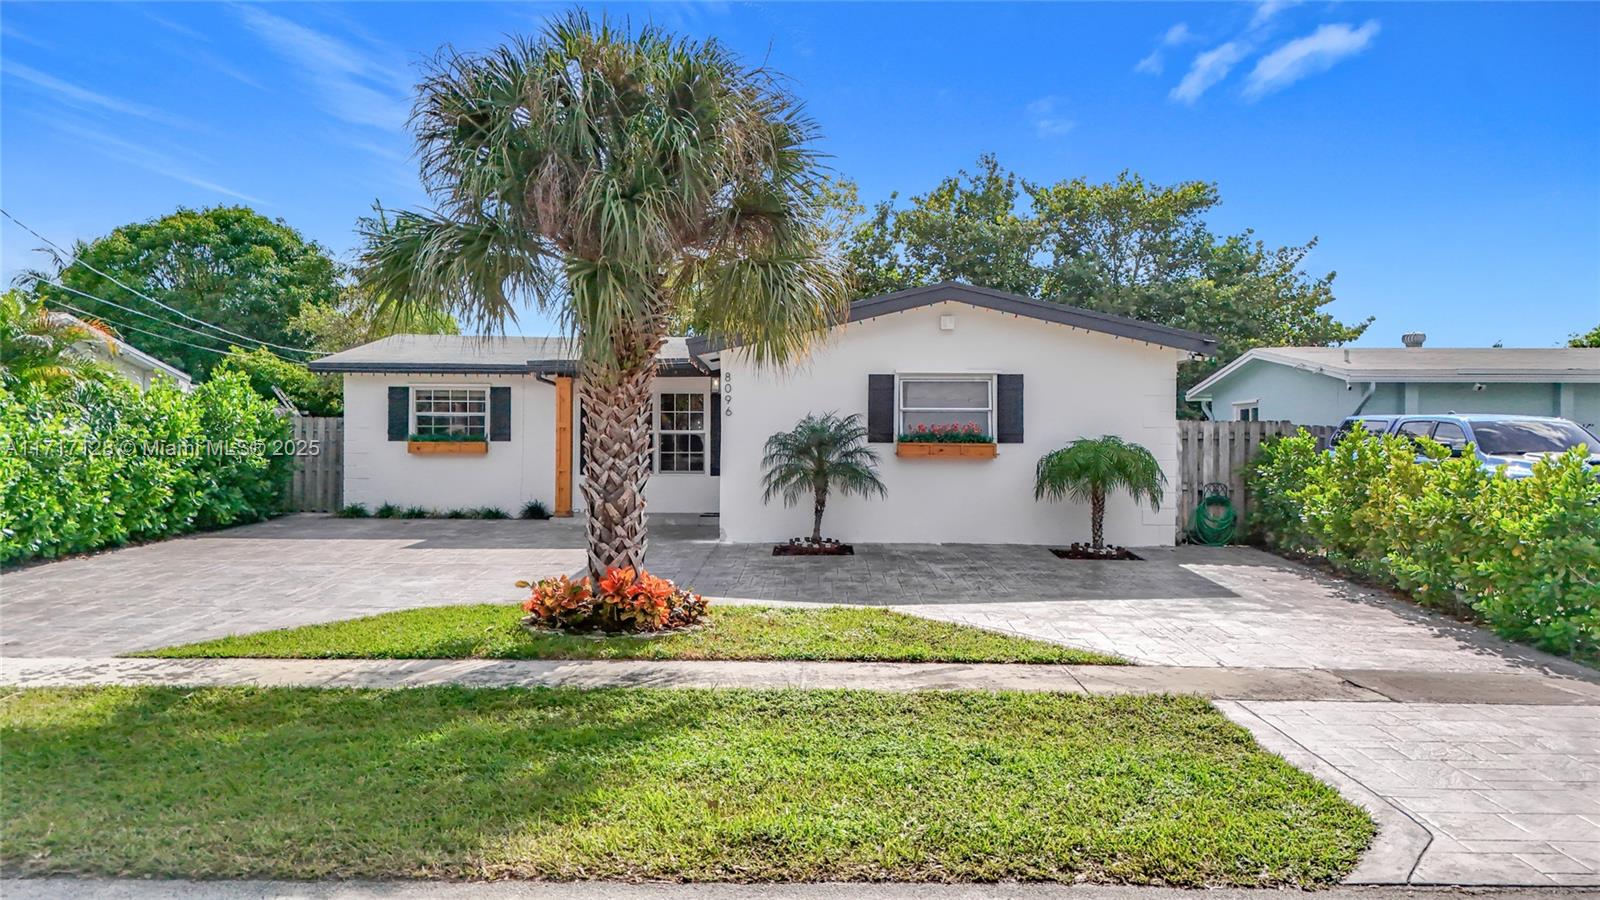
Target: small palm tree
<point x="40" y="346"/>
<point x="1089" y="469"/>
<point x="821" y="452"/>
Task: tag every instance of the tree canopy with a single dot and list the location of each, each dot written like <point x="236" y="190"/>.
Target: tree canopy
<point x="227" y="266"/>
<point x="1126" y="246"/>
<point x="1588" y="339"/>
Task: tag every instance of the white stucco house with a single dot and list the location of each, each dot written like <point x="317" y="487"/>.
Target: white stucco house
<point x="1034" y="375"/>
<point x="1323" y="385"/>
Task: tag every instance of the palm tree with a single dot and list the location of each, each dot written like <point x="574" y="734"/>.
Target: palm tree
<point x="617" y="181"/>
<point x="819" y="453"/>
<point x="1089" y="469"/>
<point x="39" y="345"/>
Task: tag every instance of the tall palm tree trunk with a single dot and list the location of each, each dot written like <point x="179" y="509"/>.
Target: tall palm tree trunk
<point x="616" y="405"/>
<point x="1097" y="517"/>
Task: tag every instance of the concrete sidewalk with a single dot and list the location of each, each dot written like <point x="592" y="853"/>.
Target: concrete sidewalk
<point x="1212" y="682"/>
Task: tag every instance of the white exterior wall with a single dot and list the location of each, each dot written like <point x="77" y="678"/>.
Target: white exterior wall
<point x="1075" y="384"/>
<point x="671" y="492"/>
<point x="378" y="470"/>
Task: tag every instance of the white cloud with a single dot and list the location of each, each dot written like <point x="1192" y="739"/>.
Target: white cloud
<point x="350" y="84"/>
<point x="1047" y="119"/>
<point x="1208" y="68"/>
<point x="1267" y="10"/>
<point x="151" y="160"/>
<point x="83" y="98"/>
<point x="1150" y="65"/>
<point x="1316" y="52"/>
<point x="1178" y="34"/>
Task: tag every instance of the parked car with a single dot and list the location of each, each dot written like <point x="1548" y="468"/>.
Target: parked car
<point x="1506" y="444"/>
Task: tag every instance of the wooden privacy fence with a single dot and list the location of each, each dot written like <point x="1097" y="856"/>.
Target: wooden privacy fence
<point x="1219" y="452"/>
<point x="318" y="483"/>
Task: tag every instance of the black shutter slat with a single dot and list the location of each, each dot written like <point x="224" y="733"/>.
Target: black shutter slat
<point x="399" y="412"/>
<point x="1008" y="411"/>
<point x="499" y="414"/>
<point x="880" y="409"/>
<point x="716" y="433"/>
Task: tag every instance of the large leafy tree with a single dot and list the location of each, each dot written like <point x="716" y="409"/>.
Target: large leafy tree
<point x="227" y="266"/>
<point x="1588" y="339"/>
<point x="1125" y="246"/>
<point x="819" y="455"/>
<point x="616" y="179"/>
<point x="1089" y="470"/>
<point x="356" y="318"/>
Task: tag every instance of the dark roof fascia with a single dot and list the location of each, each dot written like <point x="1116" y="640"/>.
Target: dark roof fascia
<point x="531" y="367"/>
<point x="1000" y="301"/>
<point x="1044" y="310"/>
<point x="397" y="368"/>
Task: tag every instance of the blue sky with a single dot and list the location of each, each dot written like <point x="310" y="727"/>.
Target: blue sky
<point x="1447" y="155"/>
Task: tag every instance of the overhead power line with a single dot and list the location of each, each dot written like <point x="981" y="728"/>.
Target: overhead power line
<point x="137" y="293"/>
<point x="121" y="327"/>
<point x="138" y="312"/>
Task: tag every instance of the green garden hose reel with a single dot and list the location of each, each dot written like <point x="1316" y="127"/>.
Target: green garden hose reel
<point x="1214" y="519"/>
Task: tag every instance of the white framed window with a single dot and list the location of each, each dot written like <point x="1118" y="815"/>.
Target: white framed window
<point x="1247" y="411"/>
<point x="680" y="433"/>
<point x="452" y="410"/>
<point x="929" y="401"/>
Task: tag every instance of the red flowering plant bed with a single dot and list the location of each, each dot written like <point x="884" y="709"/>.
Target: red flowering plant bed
<point x="969" y="433"/>
<point x="625" y="602"/>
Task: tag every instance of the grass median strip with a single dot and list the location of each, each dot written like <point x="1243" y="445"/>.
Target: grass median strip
<point x="733" y="632"/>
<point x="656" y="785"/>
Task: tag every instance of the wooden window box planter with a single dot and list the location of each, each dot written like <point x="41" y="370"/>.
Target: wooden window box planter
<point x="448" y="448"/>
<point x="934" y="450"/>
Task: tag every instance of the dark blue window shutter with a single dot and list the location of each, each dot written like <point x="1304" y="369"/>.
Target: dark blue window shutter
<point x="499" y="414"/>
<point x="1008" y="409"/>
<point x="399" y="412"/>
<point x="716" y="433"/>
<point x="880" y="409"/>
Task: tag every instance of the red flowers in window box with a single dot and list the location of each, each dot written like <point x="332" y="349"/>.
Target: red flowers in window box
<point x="625" y="601"/>
<point x="954" y="433"/>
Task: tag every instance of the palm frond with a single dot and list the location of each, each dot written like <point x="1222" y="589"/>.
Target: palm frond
<point x="1102" y="465"/>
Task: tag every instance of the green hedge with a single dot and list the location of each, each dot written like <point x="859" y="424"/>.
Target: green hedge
<point x="1520" y="555"/>
<point x="105" y="464"/>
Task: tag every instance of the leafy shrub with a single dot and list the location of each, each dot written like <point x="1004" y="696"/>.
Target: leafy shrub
<point x="312" y="394"/>
<point x="625" y="601"/>
<point x="354" y="511"/>
<point x="414" y="512"/>
<point x="490" y="512"/>
<point x="104" y="464"/>
<point x="1520" y="555"/>
<point x="535" y="509"/>
<point x="388" y="511"/>
<point x="458" y="514"/>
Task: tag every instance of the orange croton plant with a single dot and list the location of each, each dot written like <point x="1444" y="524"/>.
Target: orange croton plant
<point x="627" y="600"/>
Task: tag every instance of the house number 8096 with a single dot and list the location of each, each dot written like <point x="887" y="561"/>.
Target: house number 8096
<point x="727" y="394"/>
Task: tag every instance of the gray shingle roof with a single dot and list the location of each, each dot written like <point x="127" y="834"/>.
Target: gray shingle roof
<point x="467" y="354"/>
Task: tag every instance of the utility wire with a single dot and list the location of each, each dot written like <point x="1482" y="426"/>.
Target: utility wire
<point x="145" y="296"/>
<point x="137" y="312"/>
<point x="122" y="327"/>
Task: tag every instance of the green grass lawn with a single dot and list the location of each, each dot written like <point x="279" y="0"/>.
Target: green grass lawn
<point x="734" y="632"/>
<point x="656" y="784"/>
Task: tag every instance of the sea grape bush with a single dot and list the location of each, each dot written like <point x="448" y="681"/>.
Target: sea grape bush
<point x="623" y="601"/>
<point x="1520" y="555"/>
<point x="105" y="464"/>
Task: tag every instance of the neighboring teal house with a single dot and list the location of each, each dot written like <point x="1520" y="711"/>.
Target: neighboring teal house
<point x="1322" y="385"/>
